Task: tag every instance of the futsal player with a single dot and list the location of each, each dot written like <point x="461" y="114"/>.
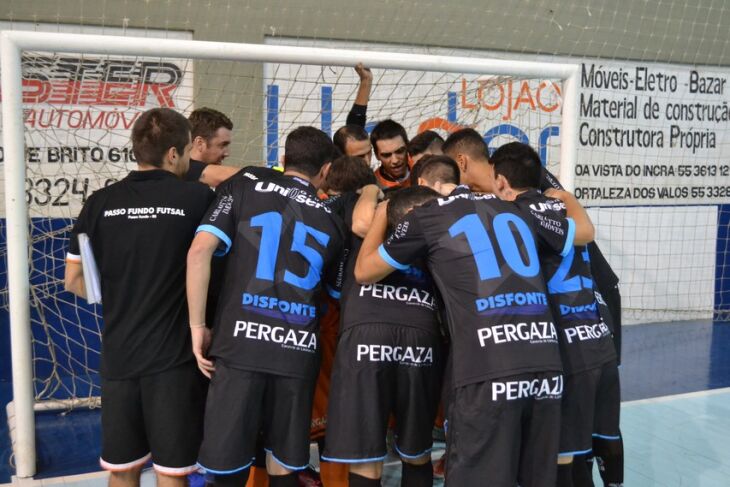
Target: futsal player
<point x="587" y="350"/>
<point x="140" y="229"/>
<point x="505" y="415"/>
<point x="389" y="361"/>
<point x="264" y="356"/>
<point x="608" y="449"/>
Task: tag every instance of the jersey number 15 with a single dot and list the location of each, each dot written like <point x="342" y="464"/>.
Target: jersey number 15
<point x="270" y="224"/>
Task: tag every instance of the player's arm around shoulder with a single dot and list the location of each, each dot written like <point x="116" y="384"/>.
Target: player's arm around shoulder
<point x="370" y="266"/>
<point x="584" y="230"/>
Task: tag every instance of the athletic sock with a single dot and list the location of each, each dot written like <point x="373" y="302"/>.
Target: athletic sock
<point x="237" y="479"/>
<point x="356" y="480"/>
<point x="289" y="480"/>
<point x="582" y="471"/>
<point x="417" y="475"/>
<point x="565" y="475"/>
<point x="610" y="455"/>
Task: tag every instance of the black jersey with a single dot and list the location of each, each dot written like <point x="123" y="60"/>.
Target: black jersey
<point x="282" y="240"/>
<point x="585" y="338"/>
<point x="482" y="254"/>
<point x="140" y="230"/>
<point x="405" y="297"/>
<point x="195" y="171"/>
<point x="605" y="280"/>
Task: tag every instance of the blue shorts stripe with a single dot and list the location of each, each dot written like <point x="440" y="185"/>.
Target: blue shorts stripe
<point x="400" y="453"/>
<point x="289" y="467"/>
<point x="226" y="472"/>
<point x="354" y="460"/>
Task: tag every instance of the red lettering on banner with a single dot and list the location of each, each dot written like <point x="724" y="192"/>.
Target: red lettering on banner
<point x="510" y="96"/>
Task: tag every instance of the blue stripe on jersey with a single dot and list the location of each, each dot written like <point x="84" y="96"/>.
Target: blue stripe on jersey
<point x="571" y="238"/>
<point x="333" y="292"/>
<point x="390" y="260"/>
<point x="218" y="233"/>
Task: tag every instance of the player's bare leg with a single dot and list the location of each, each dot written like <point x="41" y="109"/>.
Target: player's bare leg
<point x="171" y="480"/>
<point x="126" y="478"/>
<point x="365" y="474"/>
<point x="280" y="476"/>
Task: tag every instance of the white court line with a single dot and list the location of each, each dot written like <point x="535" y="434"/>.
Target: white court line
<point x="687" y="395"/>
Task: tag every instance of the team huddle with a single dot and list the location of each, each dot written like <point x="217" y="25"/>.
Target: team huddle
<point x="335" y="303"/>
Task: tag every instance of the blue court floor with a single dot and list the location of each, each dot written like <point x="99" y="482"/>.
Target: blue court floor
<point x="675" y="417"/>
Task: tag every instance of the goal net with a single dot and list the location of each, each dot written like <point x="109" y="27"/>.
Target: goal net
<point x="79" y="105"/>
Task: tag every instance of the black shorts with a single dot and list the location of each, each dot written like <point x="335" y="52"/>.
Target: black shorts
<point x="379" y="370"/>
<point x="243" y="403"/>
<point x="159" y="416"/>
<point x="591" y="405"/>
<point x="505" y="431"/>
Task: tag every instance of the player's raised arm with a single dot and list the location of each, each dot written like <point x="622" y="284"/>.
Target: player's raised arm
<point x="364" y="212"/>
<point x="358" y="113"/>
<point x="584" y="230"/>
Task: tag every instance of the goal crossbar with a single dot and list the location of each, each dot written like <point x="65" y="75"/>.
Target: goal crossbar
<point x="13" y="43"/>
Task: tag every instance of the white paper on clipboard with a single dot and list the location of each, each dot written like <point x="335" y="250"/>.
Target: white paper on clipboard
<point x="92" y="279"/>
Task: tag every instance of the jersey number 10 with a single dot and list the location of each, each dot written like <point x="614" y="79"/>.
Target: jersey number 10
<point x="481" y="245"/>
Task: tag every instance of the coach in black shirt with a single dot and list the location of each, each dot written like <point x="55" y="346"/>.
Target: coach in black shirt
<point x="140" y="230"/>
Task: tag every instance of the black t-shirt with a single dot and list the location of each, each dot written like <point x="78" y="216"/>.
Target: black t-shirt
<point x="357" y="115"/>
<point x="194" y="171"/>
<point x="585" y="338"/>
<point x="140" y="230"/>
<point x="403" y="298"/>
<point x="283" y="242"/>
<point x="482" y="254"/>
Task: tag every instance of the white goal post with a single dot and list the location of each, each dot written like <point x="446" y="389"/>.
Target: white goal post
<point x="13" y="43"/>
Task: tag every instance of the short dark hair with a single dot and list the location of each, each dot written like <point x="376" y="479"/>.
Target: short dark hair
<point x="425" y="141"/>
<point x="155" y="131"/>
<point x="349" y="173"/>
<point x="205" y="122"/>
<point x="347" y="132"/>
<point x="468" y="141"/>
<point x="401" y="201"/>
<point x="441" y="169"/>
<point x="307" y="149"/>
<point x="519" y="164"/>
<point x="387" y="129"/>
